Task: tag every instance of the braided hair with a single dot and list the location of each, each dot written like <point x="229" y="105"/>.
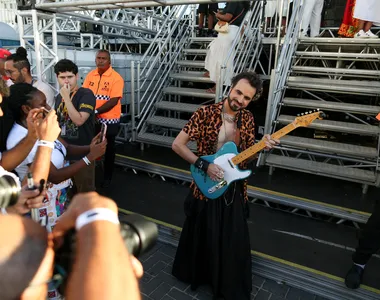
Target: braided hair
<point x="20" y="59"/>
<point x="21" y="94"/>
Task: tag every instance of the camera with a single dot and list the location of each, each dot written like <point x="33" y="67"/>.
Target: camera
<point x="139" y="236"/>
<point x="10" y="188"/>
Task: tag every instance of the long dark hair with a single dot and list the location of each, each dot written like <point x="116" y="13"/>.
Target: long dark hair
<point x="21" y="94"/>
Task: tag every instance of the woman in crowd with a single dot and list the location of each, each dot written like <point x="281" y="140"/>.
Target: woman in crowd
<point x="349" y="26"/>
<point x="234" y="13"/>
<point x="23" y="98"/>
<point x="367" y="12"/>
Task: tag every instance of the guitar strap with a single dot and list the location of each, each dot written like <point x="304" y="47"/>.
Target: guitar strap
<point x="237" y="138"/>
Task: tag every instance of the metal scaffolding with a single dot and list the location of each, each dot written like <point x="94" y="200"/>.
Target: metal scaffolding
<point x="114" y="4"/>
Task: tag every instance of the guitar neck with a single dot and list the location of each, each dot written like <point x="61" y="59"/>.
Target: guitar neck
<point x="261" y="145"/>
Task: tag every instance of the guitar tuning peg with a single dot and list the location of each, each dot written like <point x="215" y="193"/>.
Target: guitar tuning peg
<point x="301" y="114"/>
<point x="310" y="112"/>
<point x="317" y="109"/>
<point x="298" y="115"/>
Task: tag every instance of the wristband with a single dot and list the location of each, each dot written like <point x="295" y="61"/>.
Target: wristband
<point x="45" y="144"/>
<point x="96" y="112"/>
<point x="202" y="164"/>
<point x="96" y="214"/>
<point x="86" y="160"/>
<point x="3" y="211"/>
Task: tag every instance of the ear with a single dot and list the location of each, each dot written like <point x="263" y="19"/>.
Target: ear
<point x="24" y="71"/>
<point x="77" y="76"/>
<point x="25" y="109"/>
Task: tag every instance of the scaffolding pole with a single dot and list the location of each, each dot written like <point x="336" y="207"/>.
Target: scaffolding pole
<point x="110" y="4"/>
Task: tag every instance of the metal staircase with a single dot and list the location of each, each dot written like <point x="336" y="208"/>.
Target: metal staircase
<point x="341" y="77"/>
<point x="184" y="88"/>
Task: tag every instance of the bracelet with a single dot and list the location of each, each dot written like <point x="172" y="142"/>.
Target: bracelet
<point x="86" y="160"/>
<point x="202" y="164"/>
<point x="44" y="143"/>
<point x="96" y="214"/>
<point x="3" y="211"/>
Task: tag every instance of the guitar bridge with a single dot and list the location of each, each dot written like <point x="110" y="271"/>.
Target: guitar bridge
<point x="217" y="186"/>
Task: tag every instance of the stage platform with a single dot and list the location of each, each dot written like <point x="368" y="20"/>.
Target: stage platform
<point x="307" y="253"/>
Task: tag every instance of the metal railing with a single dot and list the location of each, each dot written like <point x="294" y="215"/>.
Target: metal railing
<point x="280" y="74"/>
<point x="150" y="74"/>
<point x="245" y="48"/>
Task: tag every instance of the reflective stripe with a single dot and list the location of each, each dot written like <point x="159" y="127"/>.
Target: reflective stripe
<point x="109" y="121"/>
<point x="102" y="97"/>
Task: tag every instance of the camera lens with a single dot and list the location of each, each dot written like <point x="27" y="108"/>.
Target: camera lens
<point x="9" y="191"/>
<point x="139" y="235"/>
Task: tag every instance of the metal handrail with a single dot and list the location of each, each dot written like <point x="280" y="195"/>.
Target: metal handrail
<point x="280" y="75"/>
<point x="157" y="88"/>
<point x="151" y="72"/>
<point x="248" y="40"/>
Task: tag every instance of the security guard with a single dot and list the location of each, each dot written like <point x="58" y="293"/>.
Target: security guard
<point x="107" y="86"/>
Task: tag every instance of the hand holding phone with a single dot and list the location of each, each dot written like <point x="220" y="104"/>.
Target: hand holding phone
<point x="103" y="132"/>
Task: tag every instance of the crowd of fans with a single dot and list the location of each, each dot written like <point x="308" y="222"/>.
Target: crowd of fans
<point x="49" y="144"/>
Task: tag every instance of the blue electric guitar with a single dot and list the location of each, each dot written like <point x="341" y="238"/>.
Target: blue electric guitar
<point x="228" y="159"/>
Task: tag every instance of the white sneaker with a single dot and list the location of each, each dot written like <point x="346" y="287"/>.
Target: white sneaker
<point x="361" y="35"/>
<point x="370" y="34"/>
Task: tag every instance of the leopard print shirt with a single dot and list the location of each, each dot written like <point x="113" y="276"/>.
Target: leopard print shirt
<point x="204" y="126"/>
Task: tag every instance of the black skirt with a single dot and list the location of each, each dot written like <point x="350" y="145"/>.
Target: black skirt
<point x="214" y="246"/>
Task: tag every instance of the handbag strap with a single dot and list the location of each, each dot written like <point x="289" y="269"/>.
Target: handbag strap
<point x="236" y="17"/>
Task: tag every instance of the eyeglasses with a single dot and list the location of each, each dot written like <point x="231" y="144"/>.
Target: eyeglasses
<point x="55" y="281"/>
<point x="8" y="72"/>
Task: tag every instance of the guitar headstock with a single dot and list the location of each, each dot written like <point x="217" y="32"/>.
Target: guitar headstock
<point x="305" y="119"/>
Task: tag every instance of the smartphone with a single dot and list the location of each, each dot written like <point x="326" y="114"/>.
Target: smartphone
<point x="44" y="112"/>
<point x="103" y="132"/>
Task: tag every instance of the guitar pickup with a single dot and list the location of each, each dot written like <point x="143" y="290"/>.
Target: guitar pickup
<point x="217" y="186"/>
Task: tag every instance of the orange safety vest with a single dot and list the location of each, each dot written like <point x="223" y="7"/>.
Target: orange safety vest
<point x="105" y="87"/>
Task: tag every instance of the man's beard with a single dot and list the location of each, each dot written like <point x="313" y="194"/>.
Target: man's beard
<point x="19" y="79"/>
<point x="234" y="107"/>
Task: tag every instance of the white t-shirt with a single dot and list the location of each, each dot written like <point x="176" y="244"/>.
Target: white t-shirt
<point x="16" y="134"/>
<point x="56" y="193"/>
<point x="47" y="90"/>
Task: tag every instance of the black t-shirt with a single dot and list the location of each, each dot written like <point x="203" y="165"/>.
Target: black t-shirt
<point x="83" y="101"/>
<point x="236" y="9"/>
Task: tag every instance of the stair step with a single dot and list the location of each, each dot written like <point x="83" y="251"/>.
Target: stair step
<point x="172" y="90"/>
<point x="332" y="106"/>
<point x="337" y="126"/>
<point x="182" y="107"/>
<point x="340" y="41"/>
<point x="191" y="76"/>
<point x="191" y="63"/>
<point x="329" y="147"/>
<point x="167" y="122"/>
<point x="202" y="39"/>
<point x="161" y="140"/>
<point x="338" y="56"/>
<point x="360" y="87"/>
<point x="318" y="168"/>
<point x="375" y="74"/>
<point x="195" y="51"/>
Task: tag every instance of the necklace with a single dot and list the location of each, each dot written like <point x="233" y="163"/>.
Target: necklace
<point x="229" y="118"/>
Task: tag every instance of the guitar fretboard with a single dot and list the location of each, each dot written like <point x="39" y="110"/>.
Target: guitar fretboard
<point x="261" y="145"/>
